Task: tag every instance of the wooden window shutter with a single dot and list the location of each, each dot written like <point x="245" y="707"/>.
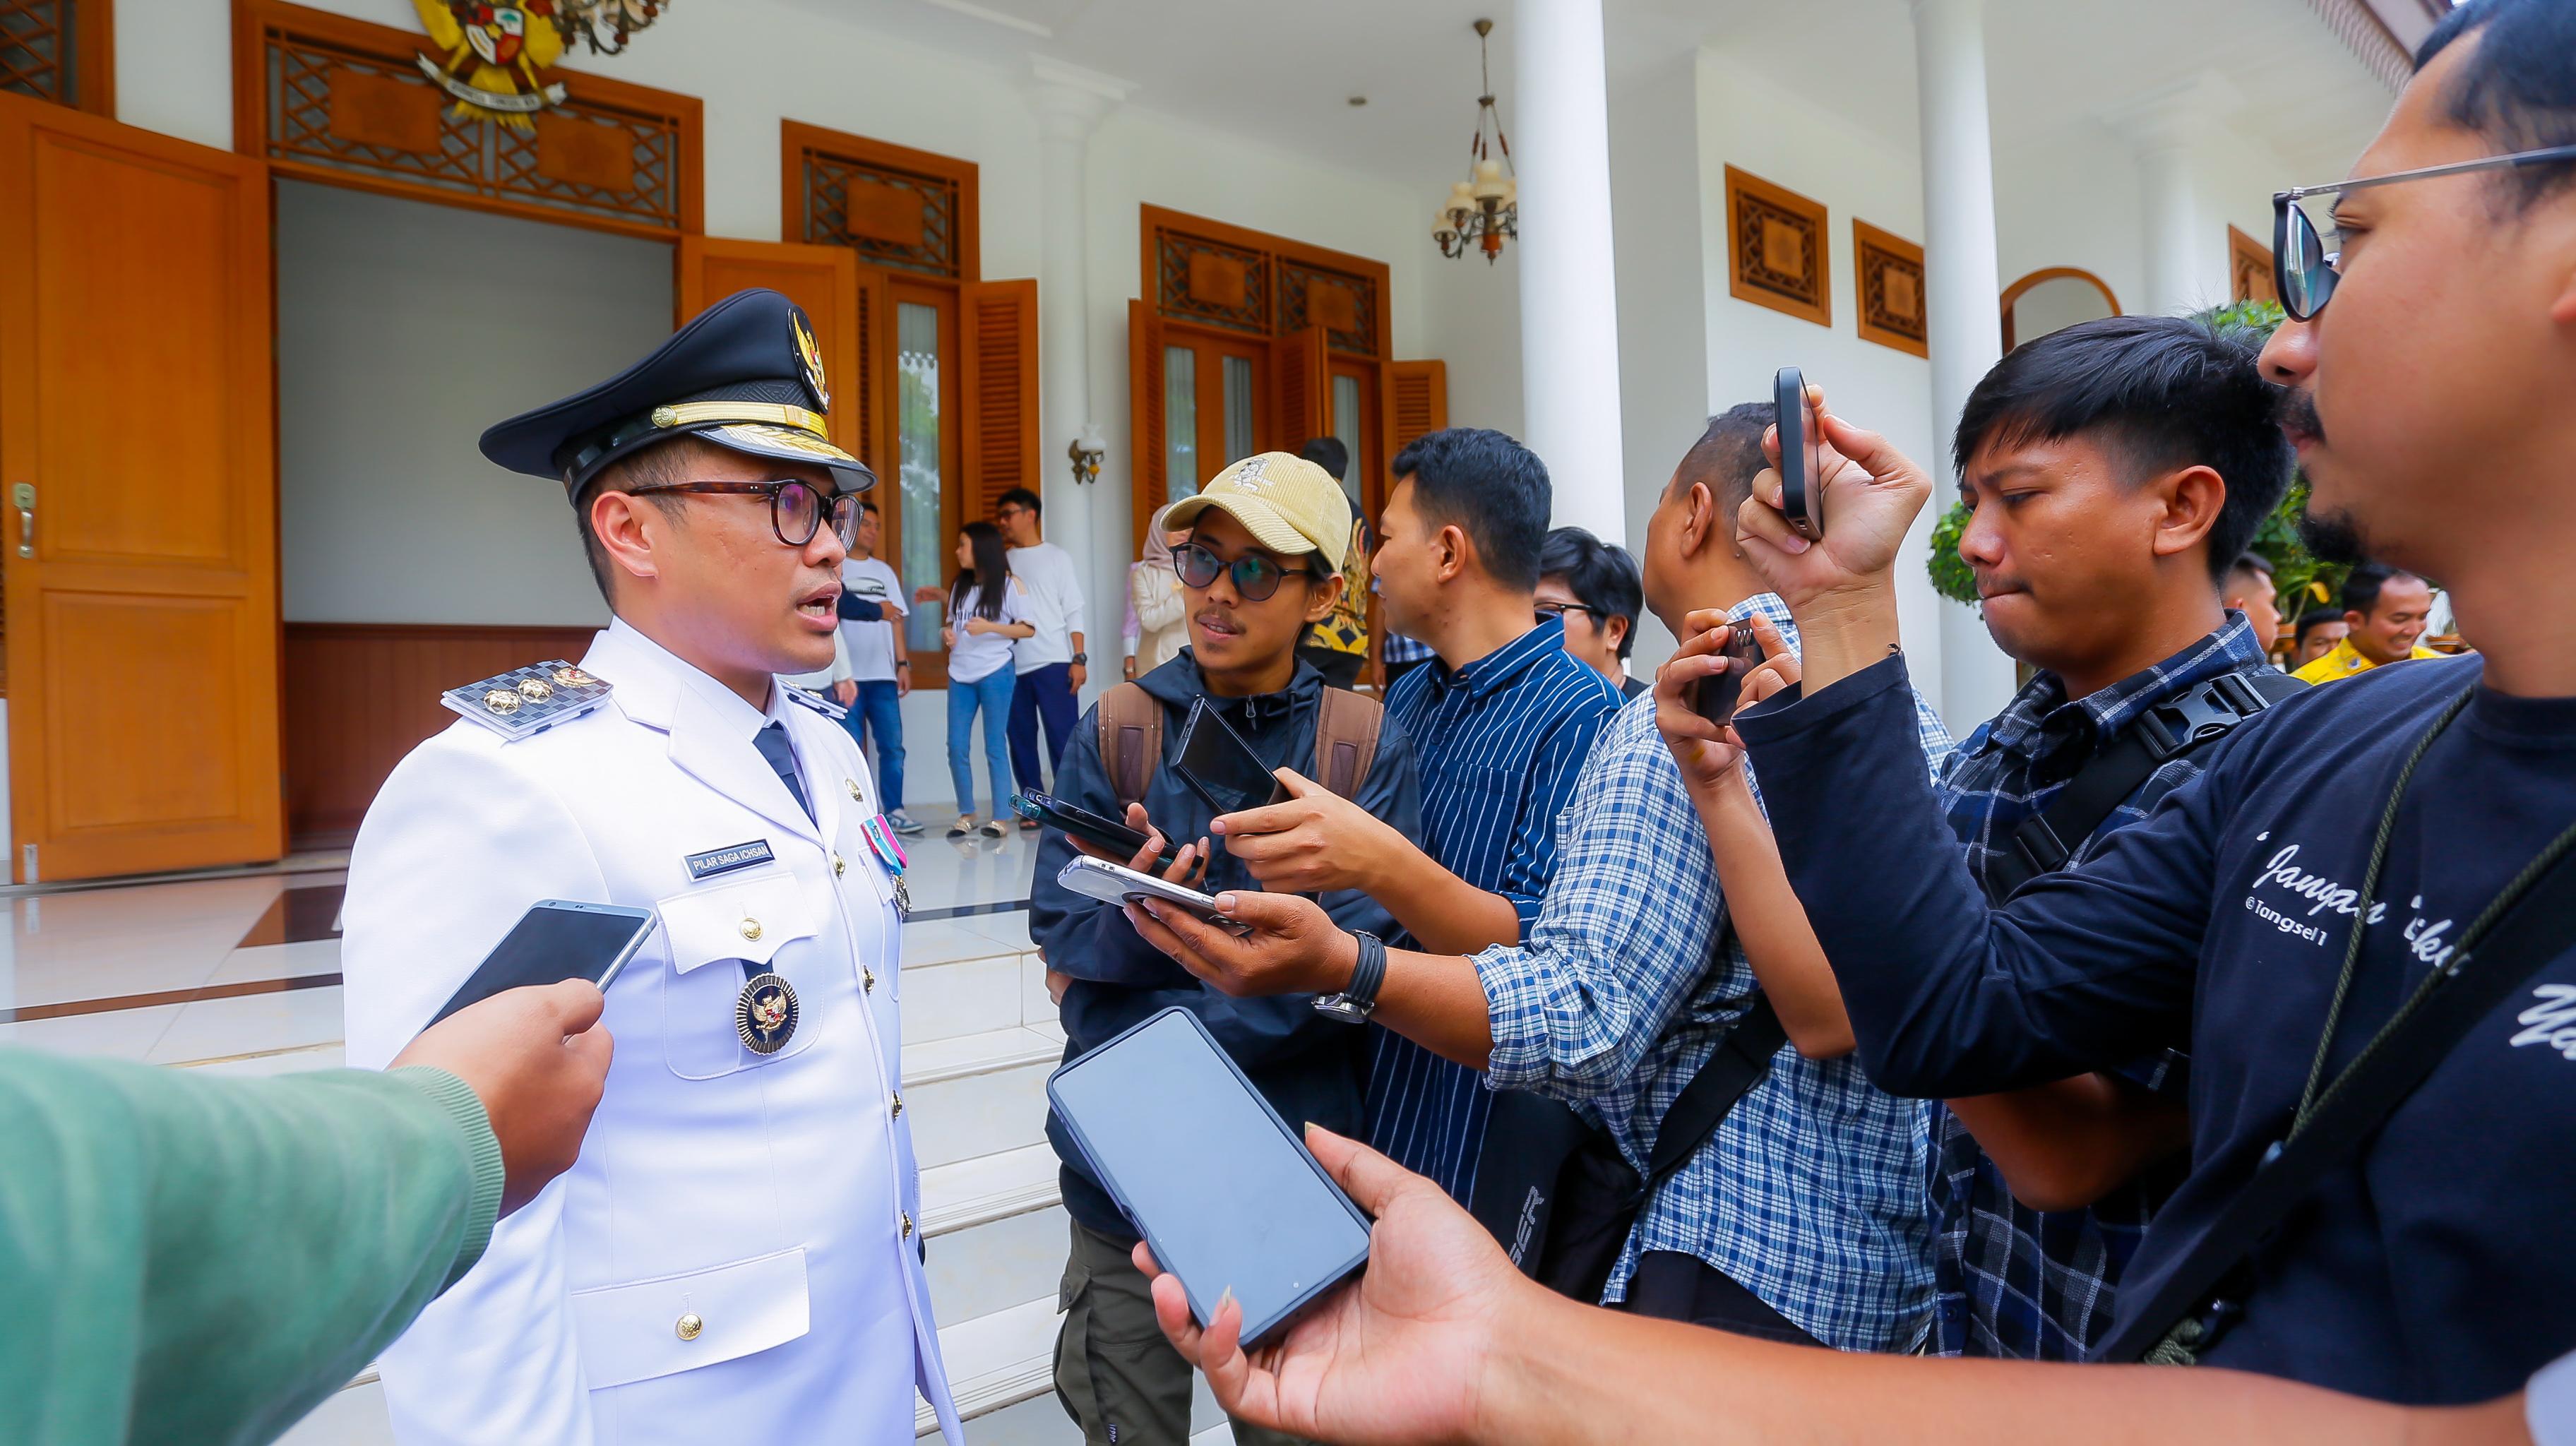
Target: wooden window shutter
<point x="998" y="335"/>
<point x="1146" y="463"/>
<point x="823" y="280"/>
<point x="869" y="393"/>
<point x="1302" y="389"/>
<point x="1421" y="402"/>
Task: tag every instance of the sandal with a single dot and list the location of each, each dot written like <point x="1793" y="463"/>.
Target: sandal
<point x="964" y="825"/>
<point x="993" y="829"/>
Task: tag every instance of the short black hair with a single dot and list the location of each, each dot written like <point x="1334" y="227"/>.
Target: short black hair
<point x="1728" y="455"/>
<point x="1022" y="497"/>
<point x="2252" y="564"/>
<point x="2310" y="621"/>
<point x="1329" y="454"/>
<point x="1600" y="575"/>
<point x="659" y="464"/>
<point x="2362" y="586"/>
<point x="2518" y="88"/>
<point x="1491" y="487"/>
<point x="866" y="506"/>
<point x="2164" y="392"/>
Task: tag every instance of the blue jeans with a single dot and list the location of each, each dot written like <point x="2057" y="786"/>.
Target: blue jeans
<point x="877" y="710"/>
<point x="991" y="693"/>
<point x="1046" y="692"/>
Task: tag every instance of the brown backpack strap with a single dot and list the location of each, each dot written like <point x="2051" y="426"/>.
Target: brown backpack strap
<point x="1131" y="741"/>
<point x="1346" y="729"/>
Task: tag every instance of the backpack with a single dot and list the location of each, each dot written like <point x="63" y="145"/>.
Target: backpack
<point x="1131" y="740"/>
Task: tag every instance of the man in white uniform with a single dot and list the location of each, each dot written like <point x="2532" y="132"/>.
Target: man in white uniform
<point x="734" y="1257"/>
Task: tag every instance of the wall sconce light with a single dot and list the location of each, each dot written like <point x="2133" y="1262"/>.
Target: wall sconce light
<point x="1087" y="453"/>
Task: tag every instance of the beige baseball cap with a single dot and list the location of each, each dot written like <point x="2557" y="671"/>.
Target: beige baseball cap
<point x="1288" y="504"/>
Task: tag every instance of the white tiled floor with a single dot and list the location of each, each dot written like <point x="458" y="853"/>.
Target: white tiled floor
<point x="110" y="971"/>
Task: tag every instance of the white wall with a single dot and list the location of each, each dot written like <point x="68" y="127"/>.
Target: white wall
<point x="1659" y="246"/>
<point x="404" y="329"/>
<point x="1788" y="138"/>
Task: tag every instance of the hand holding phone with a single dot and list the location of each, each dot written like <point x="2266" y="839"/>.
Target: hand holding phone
<point x="556" y="940"/>
<point x="1717" y="696"/>
<point x="1802" y="481"/>
<point x="1214" y="761"/>
<point x="1110" y="883"/>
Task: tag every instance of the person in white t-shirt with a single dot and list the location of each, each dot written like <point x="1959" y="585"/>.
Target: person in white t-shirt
<point x="1051" y="664"/>
<point x="988" y="611"/>
<point x="880" y="665"/>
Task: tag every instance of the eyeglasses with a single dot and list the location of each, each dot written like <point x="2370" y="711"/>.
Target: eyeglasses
<point x="1542" y="612"/>
<point x="1256" y="578"/>
<point x="796" y="508"/>
<point x="2304" y="272"/>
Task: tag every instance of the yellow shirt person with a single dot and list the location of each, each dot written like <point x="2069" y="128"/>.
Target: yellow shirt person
<point x="2345" y="661"/>
<point x="2387" y="609"/>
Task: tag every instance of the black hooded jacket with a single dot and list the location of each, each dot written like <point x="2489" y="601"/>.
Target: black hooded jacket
<point x="1308" y="1066"/>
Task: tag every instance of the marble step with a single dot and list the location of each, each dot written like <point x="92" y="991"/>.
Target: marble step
<point x="979" y="1094"/>
<point x="971" y="976"/>
<point x="1001" y="1371"/>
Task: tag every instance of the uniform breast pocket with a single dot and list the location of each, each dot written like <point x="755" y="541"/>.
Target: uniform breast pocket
<point x="713" y="932"/>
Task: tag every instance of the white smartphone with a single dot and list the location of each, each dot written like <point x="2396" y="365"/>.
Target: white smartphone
<point x="1118" y="884"/>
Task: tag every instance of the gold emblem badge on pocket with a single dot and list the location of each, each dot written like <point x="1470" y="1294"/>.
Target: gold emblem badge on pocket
<point x="765" y="1013"/>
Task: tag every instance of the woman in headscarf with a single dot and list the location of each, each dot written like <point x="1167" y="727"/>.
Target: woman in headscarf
<point x="1157" y="626"/>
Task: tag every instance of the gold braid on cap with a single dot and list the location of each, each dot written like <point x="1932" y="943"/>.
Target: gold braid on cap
<point x="683" y="414"/>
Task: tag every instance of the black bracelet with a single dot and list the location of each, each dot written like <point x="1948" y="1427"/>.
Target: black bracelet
<point x="1369" y="973"/>
<point x="903" y="662"/>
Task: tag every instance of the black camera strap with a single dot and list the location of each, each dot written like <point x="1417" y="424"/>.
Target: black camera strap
<point x="2531" y="921"/>
<point x="2048" y="839"/>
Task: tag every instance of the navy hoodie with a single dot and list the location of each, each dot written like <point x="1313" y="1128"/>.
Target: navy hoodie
<point x="1309" y="1067"/>
<point x="2438" y="1264"/>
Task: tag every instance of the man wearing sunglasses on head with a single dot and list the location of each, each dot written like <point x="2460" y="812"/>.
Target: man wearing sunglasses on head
<point x="734" y="1257"/>
<point x="2368" y="948"/>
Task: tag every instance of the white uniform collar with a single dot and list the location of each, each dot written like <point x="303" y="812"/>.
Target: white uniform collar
<point x="711" y="728"/>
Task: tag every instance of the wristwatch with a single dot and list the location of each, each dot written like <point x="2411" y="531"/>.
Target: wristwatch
<point x="903" y="662"/>
<point x="1358" y="999"/>
<point x="1082" y="658"/>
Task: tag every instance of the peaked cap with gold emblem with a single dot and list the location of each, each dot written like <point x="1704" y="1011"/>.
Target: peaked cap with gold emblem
<point x="746" y="375"/>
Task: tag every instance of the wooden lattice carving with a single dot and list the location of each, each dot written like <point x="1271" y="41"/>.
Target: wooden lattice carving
<point x="1780" y="254"/>
<point x="1211" y="282"/>
<point x="36" y="43"/>
<point x="344" y="97"/>
<point x="1888" y="270"/>
<point x="1345" y="306"/>
<point x="891" y="216"/>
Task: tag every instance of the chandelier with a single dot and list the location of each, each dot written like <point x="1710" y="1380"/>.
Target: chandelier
<point x="1483" y="210"/>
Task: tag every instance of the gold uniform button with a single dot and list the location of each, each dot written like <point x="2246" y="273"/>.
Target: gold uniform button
<point x="898" y="1105"/>
<point x="852" y="785"/>
<point x="751" y="928"/>
<point x="690" y="1326"/>
<point x="907" y="1227"/>
<point x="868" y="979"/>
<point x="839" y="866"/>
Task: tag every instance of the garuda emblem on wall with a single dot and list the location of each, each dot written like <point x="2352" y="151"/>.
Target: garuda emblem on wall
<point x="494" y="54"/>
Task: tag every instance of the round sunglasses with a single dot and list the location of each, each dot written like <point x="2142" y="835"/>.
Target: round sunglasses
<point x="1256" y="578"/>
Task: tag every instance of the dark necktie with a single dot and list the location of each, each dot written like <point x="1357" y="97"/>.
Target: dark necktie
<point x="773" y="745"/>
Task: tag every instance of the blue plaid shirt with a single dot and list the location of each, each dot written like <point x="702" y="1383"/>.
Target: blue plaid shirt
<point x="2012" y="1281"/>
<point x="1810" y="1194"/>
<point x="1500" y="744"/>
<point x="1397" y="648"/>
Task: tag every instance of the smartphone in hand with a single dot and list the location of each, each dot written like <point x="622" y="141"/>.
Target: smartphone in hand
<point x="1718" y="694"/>
<point x="1802" y="498"/>
<point x="1077" y="822"/>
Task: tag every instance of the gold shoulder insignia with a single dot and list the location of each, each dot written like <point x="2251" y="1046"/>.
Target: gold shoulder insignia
<point x="529" y="700"/>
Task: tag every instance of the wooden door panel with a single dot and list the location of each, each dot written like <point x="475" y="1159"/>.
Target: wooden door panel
<point x="1147" y="460"/>
<point x="998" y="336"/>
<point x="137" y="400"/>
<point x="1302" y="389"/>
<point x="822" y="279"/>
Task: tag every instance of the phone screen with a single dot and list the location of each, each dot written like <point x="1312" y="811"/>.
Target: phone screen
<point x="1212" y="1178"/>
<point x="1221" y="766"/>
<point x="552" y="943"/>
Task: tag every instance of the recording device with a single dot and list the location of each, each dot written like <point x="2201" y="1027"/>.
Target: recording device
<point x="1210" y="1175"/>
<point x="1215" y="761"/>
<point x="556" y="940"/>
<point x="1118" y="884"/>
<point x="1079" y="822"/>
<point x="1802" y="498"/>
<point x="1717" y="694"/>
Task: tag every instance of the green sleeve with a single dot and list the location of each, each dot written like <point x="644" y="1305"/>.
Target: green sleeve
<point x="200" y="1259"/>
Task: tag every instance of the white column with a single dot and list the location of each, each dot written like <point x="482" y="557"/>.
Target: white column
<point x="1962" y="294"/>
<point x="1082" y="518"/>
<point x="1569" y="302"/>
<point x="2174" y="128"/>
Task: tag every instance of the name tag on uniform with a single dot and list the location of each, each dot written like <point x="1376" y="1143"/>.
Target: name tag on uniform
<point x="729" y="858"/>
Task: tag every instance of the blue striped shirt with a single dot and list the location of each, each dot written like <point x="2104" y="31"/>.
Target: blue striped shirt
<point x="1810" y="1194"/>
<point x="1499" y="743"/>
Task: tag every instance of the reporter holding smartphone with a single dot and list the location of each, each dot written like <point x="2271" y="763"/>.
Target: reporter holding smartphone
<point x="202" y="1259"/>
<point x="2357" y="919"/>
<point x="1257" y="568"/>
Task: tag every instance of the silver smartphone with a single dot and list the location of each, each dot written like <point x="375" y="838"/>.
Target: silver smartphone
<point x="1118" y="884"/>
<point x="556" y="940"/>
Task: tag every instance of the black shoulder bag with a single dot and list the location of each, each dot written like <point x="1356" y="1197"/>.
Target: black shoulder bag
<point x="2530" y="922"/>
<point x="1562" y="1199"/>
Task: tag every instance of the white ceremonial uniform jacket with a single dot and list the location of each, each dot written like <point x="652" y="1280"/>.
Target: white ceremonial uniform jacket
<point x="771" y="1197"/>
